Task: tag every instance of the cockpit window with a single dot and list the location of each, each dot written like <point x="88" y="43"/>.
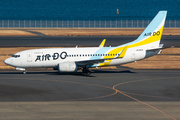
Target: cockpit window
<point x="16" y="56"/>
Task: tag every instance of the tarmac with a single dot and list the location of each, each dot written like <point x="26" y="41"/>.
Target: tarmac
<point x="72" y="41"/>
<point x="104" y="95"/>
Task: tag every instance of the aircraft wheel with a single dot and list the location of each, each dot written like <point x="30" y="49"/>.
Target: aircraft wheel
<point x="84" y="70"/>
<point x="24" y="72"/>
<point x="88" y="72"/>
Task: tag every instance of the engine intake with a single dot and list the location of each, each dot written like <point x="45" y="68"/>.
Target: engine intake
<point x="67" y="67"/>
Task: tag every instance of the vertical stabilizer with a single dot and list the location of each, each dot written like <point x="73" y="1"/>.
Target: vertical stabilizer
<point x="151" y="36"/>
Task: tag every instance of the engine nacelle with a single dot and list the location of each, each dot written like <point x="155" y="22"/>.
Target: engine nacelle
<point x="67" y="67"/>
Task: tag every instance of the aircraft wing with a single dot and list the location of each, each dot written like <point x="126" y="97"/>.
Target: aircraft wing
<point x="102" y="43"/>
<point x="96" y="61"/>
<point x="91" y="62"/>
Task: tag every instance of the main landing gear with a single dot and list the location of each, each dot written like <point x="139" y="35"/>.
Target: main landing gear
<point x="86" y="71"/>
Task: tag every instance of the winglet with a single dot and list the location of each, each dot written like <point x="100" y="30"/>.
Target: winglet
<point x="123" y="52"/>
<point x="102" y="43"/>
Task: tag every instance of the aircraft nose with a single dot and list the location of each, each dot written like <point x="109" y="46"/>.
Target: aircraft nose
<point x="7" y="61"/>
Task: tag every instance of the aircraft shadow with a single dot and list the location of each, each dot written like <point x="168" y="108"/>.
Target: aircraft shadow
<point x="70" y="73"/>
<point x="112" y="71"/>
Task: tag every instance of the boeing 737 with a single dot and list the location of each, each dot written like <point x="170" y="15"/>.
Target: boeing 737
<point x="74" y="59"/>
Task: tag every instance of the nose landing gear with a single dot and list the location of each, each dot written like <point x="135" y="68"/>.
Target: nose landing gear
<point x="24" y="72"/>
<point x="22" y="69"/>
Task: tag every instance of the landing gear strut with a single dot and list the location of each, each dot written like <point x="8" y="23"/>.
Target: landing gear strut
<point x="86" y="71"/>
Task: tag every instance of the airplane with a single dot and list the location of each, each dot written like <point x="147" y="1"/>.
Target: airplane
<point x="74" y="59"/>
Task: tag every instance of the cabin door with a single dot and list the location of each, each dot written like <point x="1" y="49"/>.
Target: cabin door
<point x="133" y="54"/>
<point x="29" y="57"/>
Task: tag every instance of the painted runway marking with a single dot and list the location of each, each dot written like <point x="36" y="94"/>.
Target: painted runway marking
<point x="149" y="95"/>
<point x="123" y="93"/>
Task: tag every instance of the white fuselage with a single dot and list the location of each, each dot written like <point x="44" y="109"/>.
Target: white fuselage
<point x="51" y="57"/>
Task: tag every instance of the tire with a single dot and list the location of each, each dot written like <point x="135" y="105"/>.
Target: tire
<point x="88" y="72"/>
<point x="24" y="72"/>
<point x="84" y="70"/>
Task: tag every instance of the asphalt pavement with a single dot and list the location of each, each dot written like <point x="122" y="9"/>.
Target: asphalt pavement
<point x="106" y="94"/>
<point x="72" y="41"/>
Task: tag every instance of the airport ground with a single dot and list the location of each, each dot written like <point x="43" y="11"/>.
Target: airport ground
<point x="107" y="94"/>
<point x="117" y="94"/>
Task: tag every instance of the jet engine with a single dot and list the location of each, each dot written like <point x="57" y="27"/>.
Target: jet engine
<point x="67" y="67"/>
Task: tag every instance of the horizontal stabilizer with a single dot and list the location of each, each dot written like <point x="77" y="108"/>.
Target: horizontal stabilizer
<point x="159" y="48"/>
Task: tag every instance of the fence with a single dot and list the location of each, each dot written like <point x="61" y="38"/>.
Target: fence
<point x="82" y="24"/>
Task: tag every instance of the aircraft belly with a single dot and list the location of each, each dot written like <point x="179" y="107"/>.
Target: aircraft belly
<point x="45" y="64"/>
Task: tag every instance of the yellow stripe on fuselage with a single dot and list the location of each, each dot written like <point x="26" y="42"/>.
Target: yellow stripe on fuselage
<point x="151" y="39"/>
<point x="114" y="51"/>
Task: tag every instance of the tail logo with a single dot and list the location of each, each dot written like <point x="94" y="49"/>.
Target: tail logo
<point x="154" y="33"/>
